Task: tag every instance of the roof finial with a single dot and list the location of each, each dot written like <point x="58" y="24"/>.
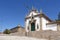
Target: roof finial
<point x="32" y="8"/>
<point x="41" y="11"/>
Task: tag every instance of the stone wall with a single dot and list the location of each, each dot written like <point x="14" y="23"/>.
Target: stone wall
<point x="51" y="35"/>
<point x="16" y="29"/>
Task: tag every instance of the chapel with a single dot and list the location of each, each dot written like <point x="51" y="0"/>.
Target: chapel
<point x="36" y="21"/>
<point x="38" y="25"/>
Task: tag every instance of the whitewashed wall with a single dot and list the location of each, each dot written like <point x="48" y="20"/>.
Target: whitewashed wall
<point x="37" y="23"/>
<point x="52" y="27"/>
<point x="44" y="21"/>
<point x="27" y="24"/>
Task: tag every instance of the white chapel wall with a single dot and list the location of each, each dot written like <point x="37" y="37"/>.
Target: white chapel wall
<point x="37" y="23"/>
<point x="27" y="24"/>
<point x="52" y="27"/>
<point x="44" y="21"/>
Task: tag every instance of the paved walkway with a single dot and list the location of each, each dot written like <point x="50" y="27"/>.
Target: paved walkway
<point x="18" y="38"/>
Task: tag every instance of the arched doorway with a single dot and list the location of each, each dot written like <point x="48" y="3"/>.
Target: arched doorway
<point x="33" y="26"/>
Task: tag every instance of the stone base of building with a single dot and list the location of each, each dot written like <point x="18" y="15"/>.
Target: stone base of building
<point x="50" y="35"/>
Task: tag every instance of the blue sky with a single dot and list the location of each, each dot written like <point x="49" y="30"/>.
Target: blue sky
<point x="13" y="12"/>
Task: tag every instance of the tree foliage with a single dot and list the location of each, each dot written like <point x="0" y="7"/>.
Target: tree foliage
<point x="7" y="31"/>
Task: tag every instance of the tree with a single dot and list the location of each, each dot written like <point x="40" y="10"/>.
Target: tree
<point x="7" y="31"/>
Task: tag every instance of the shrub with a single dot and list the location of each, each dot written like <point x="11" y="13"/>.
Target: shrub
<point x="7" y="31"/>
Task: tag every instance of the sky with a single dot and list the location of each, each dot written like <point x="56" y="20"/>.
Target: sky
<point x="13" y="12"/>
